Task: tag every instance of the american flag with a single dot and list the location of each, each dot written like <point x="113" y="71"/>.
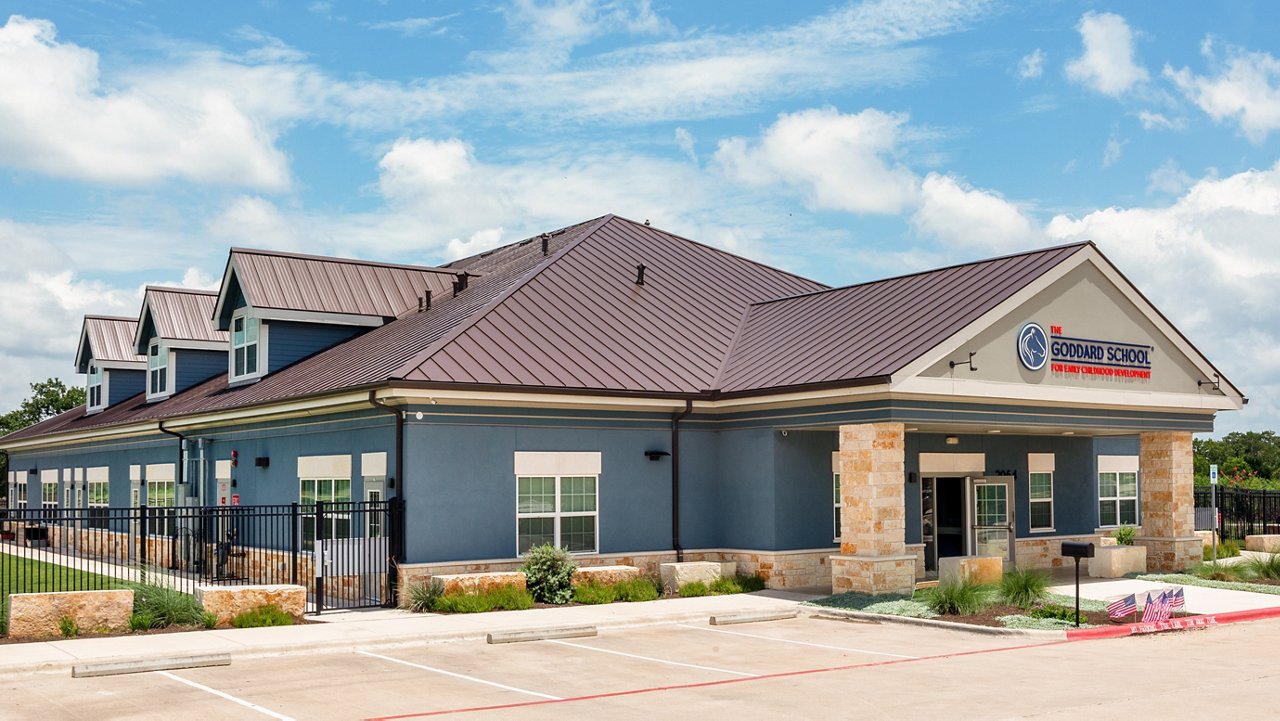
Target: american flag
<point x="1122" y="606"/>
<point x="1156" y="607"/>
<point x="1177" y="600"/>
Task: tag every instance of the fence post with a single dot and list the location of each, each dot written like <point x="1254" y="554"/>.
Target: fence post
<point x="142" y="553"/>
<point x="318" y="557"/>
<point x="395" y="545"/>
<point x="296" y="536"/>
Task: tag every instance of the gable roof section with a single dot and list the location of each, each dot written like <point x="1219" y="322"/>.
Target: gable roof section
<point x="108" y="340"/>
<point x="582" y="322"/>
<point x="180" y="316"/>
<point x="303" y="284"/>
<point x="872" y="330"/>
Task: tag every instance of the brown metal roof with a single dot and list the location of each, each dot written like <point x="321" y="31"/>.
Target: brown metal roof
<point x="873" y="329"/>
<point x="110" y="339"/>
<point x="182" y="314"/>
<point x="291" y="281"/>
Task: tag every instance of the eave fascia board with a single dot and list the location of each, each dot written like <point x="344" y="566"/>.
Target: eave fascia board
<point x="183" y="344"/>
<point x="316" y="405"/>
<point x="978" y="391"/>
<point x="88" y="435"/>
<point x="227" y="274"/>
<point x="314" y="316"/>
<point x="121" y="365"/>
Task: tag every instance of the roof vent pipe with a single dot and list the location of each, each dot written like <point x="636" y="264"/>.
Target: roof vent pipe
<point x="460" y="284"/>
<point x="546" y="241"/>
<point x="426" y="298"/>
<point x="640" y="274"/>
<point x="419" y="304"/>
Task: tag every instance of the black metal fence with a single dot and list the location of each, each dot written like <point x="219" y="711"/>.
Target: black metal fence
<point x="1242" y="512"/>
<point x="344" y="553"/>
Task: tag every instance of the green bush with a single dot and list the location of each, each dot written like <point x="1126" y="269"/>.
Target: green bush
<point x="1223" y="571"/>
<point x="1024" y="588"/>
<point x="594" y="592"/>
<point x="68" y="627"/>
<point x="1227" y="548"/>
<point x="751" y="584"/>
<point x="693" y="589"/>
<point x="509" y="598"/>
<point x="141" y="621"/>
<point x="1124" y="535"/>
<point x="1267" y="567"/>
<point x="210" y="620"/>
<point x="957" y="598"/>
<point x="270" y="615"/>
<point x="503" y="598"/>
<point x="725" y="586"/>
<point x="166" y="605"/>
<point x="548" y="573"/>
<point x="637" y="589"/>
<point x="1053" y="610"/>
<point x="420" y="596"/>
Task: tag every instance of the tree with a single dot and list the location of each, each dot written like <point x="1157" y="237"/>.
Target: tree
<point x="48" y="399"/>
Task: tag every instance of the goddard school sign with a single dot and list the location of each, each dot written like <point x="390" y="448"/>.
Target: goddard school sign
<point x="1071" y="355"/>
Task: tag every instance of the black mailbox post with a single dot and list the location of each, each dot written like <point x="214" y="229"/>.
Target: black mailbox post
<point x="1077" y="550"/>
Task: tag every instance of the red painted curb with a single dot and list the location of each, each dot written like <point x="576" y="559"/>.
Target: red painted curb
<point x="1173" y="624"/>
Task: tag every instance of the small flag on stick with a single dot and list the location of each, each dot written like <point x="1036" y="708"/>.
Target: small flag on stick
<point x="1120" y="606"/>
<point x="1177" y="599"/>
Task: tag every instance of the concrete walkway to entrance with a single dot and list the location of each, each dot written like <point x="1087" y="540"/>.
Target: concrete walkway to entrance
<point x="380" y="628"/>
<point x="1199" y="599"/>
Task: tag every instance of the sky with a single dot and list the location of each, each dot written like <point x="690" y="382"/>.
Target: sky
<point x="139" y="141"/>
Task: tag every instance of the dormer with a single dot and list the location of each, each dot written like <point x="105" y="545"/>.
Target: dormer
<point x="106" y="356"/>
<point x="279" y="308"/>
<point x="176" y="335"/>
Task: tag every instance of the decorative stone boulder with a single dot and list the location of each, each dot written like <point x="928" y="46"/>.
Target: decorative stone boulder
<point x="227" y="602"/>
<point x="676" y="575"/>
<point x="605" y="574"/>
<point x="39" y="615"/>
<point x="477" y="582"/>
<point x="1117" y="561"/>
<point x="1262" y="544"/>
<point x="974" y="569"/>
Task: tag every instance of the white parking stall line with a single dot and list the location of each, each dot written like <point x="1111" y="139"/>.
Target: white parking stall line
<point x="464" y="677"/>
<point x="227" y="696"/>
<point x="798" y="643"/>
<point x="656" y="660"/>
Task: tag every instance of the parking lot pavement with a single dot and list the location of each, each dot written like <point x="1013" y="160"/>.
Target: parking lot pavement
<point x="799" y="668"/>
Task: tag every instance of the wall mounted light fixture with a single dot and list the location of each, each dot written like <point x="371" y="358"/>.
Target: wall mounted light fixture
<point x="969" y="362"/>
<point x="656" y="455"/>
<point x="953" y="440"/>
<point x="1216" y="383"/>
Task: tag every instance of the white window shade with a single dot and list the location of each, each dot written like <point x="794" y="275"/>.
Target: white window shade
<point x="373" y="464"/>
<point x="135" y="473"/>
<point x="161" y="472"/>
<point x="49" y="476"/>
<point x="222" y="470"/>
<point x="835" y="461"/>
<point x="955" y="464"/>
<point x="567" y="463"/>
<point x="1040" y="463"/>
<point x="324" y="467"/>
<point x="1117" y="464"/>
<point x="98" y="474"/>
<point x="79" y="475"/>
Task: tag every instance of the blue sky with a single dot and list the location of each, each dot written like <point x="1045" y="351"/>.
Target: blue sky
<point x="844" y="141"/>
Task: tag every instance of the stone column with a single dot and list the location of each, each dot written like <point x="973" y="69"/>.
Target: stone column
<point x="873" y="552"/>
<point x="1168" y="502"/>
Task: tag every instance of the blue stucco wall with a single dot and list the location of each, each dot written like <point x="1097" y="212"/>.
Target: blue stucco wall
<point x="196" y="366"/>
<point x="124" y="384"/>
<point x="289" y="342"/>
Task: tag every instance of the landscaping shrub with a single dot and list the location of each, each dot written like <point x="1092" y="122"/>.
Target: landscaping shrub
<point x="503" y="598"/>
<point x="167" y="606"/>
<point x="692" y="589"/>
<point x="637" y="589"/>
<point x="420" y="596"/>
<point x="751" y="583"/>
<point x="1024" y="588"/>
<point x="1053" y="610"/>
<point x="68" y="627"/>
<point x="1227" y="548"/>
<point x="957" y="598"/>
<point x="1223" y="571"/>
<point x="1267" y="567"/>
<point x="1124" y="535"/>
<point x="594" y="592"/>
<point x="509" y="598"/>
<point x="548" y="573"/>
<point x="269" y="615"/>
<point x="724" y="586"/>
<point x="141" y="621"/>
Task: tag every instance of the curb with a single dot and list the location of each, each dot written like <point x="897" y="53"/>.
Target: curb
<point x="1174" y="624"/>
<point x="821" y="611"/>
<point x="729" y="619"/>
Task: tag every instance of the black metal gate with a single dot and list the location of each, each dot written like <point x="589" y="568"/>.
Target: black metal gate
<point x="1243" y="512"/>
<point x="354" y="549"/>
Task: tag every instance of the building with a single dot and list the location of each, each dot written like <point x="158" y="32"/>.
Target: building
<point x="638" y="397"/>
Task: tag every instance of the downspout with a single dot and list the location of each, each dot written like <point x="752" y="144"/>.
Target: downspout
<point x="182" y="466"/>
<point x="675" y="479"/>
<point x="399" y="453"/>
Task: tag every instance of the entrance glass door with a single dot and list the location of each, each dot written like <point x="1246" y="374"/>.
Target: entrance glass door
<point x="993" y="517"/>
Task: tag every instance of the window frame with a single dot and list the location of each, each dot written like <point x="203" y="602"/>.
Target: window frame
<point x="97" y="510"/>
<point x="157" y="351"/>
<point x="49" y="494"/>
<point x="20" y="489"/>
<point x="259" y="345"/>
<point x="557" y="515"/>
<point x="1118" y="497"/>
<point x="161" y="522"/>
<point x="91" y="387"/>
<point x="1032" y="501"/>
<point x="837" y="503"/>
<point x="308" y="517"/>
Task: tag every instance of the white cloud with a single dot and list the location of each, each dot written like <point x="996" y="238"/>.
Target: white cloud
<point x="412" y="27"/>
<point x="1107" y="65"/>
<point x="479" y="242"/>
<point x="1245" y="90"/>
<point x="1032" y="65"/>
<point x="1115" y="147"/>
<point x="835" y="161"/>
<point x="956" y="214"/>
<point x="1153" y="121"/>
<point x="685" y="141"/>
<point x="1169" y="178"/>
<point x="57" y="118"/>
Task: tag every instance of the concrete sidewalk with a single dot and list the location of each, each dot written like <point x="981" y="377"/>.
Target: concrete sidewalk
<point x="1199" y="599"/>
<point x="354" y="630"/>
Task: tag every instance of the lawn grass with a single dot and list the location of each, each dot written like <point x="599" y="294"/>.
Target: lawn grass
<point x="26" y="575"/>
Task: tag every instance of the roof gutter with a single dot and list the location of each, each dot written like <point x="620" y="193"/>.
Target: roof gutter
<point x="675" y="479"/>
<point x="399" y="451"/>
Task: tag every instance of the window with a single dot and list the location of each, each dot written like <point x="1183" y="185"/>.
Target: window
<point x="560" y="510"/>
<point x="48" y="494"/>
<point x="157" y="371"/>
<point x="1117" y="490"/>
<point x="328" y="490"/>
<point x="94" y="389"/>
<point x="835" y="489"/>
<point x="244" y="347"/>
<point x="160" y="503"/>
<point x="98" y="492"/>
<point x="20" y="490"/>
<point x="1040" y="490"/>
